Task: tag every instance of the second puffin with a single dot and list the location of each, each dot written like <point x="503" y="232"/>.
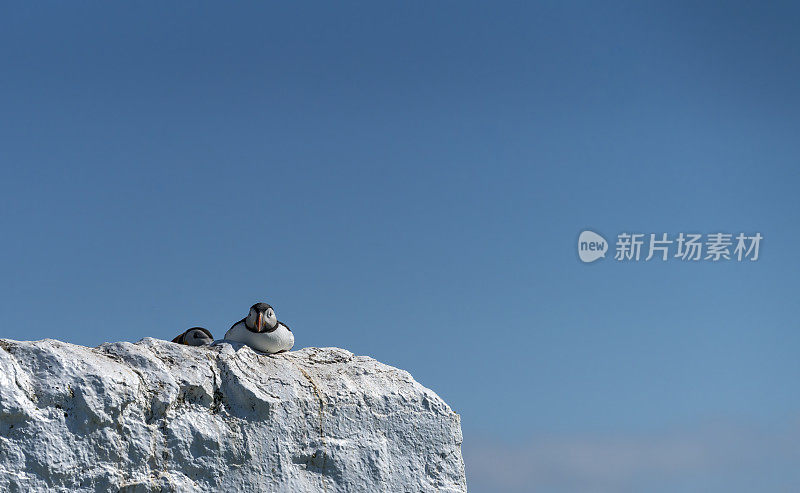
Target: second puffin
<point x="261" y="330"/>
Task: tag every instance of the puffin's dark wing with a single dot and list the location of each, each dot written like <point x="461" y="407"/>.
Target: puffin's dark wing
<point x="287" y="327"/>
<point x="239" y="322"/>
<point x="179" y="339"/>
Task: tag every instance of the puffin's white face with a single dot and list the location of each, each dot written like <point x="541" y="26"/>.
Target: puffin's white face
<point x="262" y="321"/>
<point x="197" y="337"/>
<point x="271" y="319"/>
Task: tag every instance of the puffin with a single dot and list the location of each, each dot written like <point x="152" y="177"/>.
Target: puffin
<point x="262" y="331"/>
<point x="196" y="336"/>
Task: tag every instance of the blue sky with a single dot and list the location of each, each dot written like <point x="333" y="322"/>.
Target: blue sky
<point x="408" y="182"/>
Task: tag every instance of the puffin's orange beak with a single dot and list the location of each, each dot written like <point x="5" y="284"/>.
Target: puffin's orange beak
<point x="258" y="323"/>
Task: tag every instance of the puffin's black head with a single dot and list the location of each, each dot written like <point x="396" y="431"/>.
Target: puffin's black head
<point x="196" y="336"/>
<point x="262" y="307"/>
<point x="261" y="318"/>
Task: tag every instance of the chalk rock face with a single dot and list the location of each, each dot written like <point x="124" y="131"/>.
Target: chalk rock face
<point x="158" y="416"/>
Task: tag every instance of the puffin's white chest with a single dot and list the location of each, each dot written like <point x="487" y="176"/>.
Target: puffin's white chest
<point x="280" y="339"/>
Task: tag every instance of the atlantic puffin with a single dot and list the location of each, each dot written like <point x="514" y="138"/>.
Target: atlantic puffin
<point x="261" y="330"/>
<point x="196" y="336"/>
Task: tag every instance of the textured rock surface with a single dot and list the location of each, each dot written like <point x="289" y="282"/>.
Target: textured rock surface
<point x="157" y="416"/>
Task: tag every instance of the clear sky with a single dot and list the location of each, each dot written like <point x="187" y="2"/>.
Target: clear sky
<point x="408" y="181"/>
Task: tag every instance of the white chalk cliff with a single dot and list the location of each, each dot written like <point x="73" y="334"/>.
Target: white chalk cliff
<point x="158" y="416"/>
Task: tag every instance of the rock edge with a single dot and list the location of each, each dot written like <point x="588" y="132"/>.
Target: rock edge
<point x="158" y="416"/>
